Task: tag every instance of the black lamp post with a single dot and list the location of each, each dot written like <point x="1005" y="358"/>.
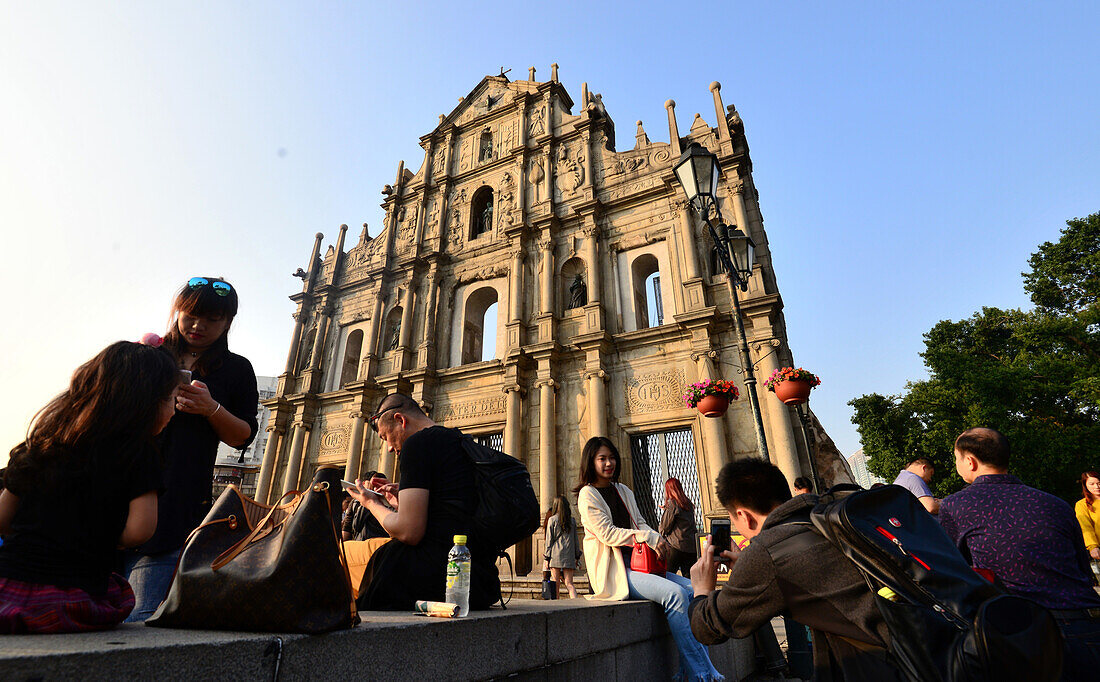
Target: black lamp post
<point x="698" y="172"/>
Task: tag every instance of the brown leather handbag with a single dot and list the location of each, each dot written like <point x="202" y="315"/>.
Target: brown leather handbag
<point x="258" y="568"/>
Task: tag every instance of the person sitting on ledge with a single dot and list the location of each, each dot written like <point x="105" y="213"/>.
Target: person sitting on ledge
<point x="433" y="501"/>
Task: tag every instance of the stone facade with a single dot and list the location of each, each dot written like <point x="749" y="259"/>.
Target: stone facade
<point x="521" y="203"/>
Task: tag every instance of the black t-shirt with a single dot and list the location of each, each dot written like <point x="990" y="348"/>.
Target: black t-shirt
<point x="620" y="515"/>
<point x="400" y="574"/>
<point x="190" y="447"/>
<point x="65" y="532"/>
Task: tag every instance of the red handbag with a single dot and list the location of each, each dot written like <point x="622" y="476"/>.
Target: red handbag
<point x="643" y="558"/>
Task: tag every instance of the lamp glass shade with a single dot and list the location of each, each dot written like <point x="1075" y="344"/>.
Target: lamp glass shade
<point x="698" y="172"/>
<point x="742" y="252"/>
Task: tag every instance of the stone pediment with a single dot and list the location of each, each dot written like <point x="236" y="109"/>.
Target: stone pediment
<point x="492" y="93"/>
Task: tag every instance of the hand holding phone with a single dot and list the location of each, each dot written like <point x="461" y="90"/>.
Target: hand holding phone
<point x="720" y="537"/>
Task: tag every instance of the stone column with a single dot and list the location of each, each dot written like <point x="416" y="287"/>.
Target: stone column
<point x="295" y="342"/>
<point x="546" y="279"/>
<point x="781" y="440"/>
<point x="515" y="304"/>
<point x="714" y="437"/>
<point x="294" y="463"/>
<point x="592" y="255"/>
<point x="513" y="443"/>
<point x="267" y="467"/>
<point x="405" y="336"/>
<point x="683" y="223"/>
<point x="736" y="193"/>
<point x="597" y="402"/>
<point x="548" y="456"/>
<point x="319" y="342"/>
<point x="355" y="448"/>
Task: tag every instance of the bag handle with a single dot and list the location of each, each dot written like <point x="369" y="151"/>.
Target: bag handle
<point x="231" y="553"/>
<point x="626" y="507"/>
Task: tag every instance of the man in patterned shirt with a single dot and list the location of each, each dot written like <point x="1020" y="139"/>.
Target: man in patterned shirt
<point x="1029" y="539"/>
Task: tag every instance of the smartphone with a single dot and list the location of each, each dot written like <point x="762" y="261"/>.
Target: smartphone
<point x="348" y="485"/>
<point x="720" y="536"/>
<point x="185" y="376"/>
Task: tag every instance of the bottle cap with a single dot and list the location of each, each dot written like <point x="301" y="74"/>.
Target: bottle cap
<point x="460" y="539"/>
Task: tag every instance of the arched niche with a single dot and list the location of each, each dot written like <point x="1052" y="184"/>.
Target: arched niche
<point x="645" y="276"/>
<point x="574" y="293"/>
<point x="353" y="349"/>
<point x="481" y="213"/>
<point x="391" y="331"/>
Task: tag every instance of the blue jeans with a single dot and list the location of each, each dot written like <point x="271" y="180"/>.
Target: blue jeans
<point x="150" y="576"/>
<point x="674" y="593"/>
<point x="1082" y="648"/>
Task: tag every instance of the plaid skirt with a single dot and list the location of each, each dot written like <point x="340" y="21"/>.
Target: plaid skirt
<point x="32" y="608"/>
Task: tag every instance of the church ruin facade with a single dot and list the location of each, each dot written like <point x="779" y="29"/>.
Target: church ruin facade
<point x="533" y="286"/>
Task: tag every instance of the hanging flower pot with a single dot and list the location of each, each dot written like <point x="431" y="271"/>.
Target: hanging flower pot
<point x="793" y="391"/>
<point x="713" y="406"/>
<point x="712" y="398"/>
<point x="791" y="385"/>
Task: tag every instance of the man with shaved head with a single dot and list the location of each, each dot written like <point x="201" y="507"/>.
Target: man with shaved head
<point x="1029" y="539"/>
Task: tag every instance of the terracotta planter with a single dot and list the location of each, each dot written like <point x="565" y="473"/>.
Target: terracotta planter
<point x="793" y="391"/>
<point x="713" y="405"/>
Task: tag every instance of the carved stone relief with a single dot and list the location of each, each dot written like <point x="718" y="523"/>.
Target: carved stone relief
<point x="537" y="173"/>
<point x="655" y="391"/>
<point x="335" y="439"/>
<point x="538" y="120"/>
<point x="471" y="409"/>
<point x="506" y="201"/>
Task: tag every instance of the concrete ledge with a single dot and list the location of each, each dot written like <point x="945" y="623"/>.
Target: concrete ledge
<point x="531" y="640"/>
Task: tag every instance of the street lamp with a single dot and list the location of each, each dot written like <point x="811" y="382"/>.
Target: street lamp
<point x="698" y="173"/>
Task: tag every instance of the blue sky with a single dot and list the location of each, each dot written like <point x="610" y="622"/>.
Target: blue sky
<point x="909" y="158"/>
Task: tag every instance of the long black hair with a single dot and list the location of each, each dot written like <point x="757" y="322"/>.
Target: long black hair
<point x="587" y="472"/>
<point x="111" y="406"/>
<point x="202" y="301"/>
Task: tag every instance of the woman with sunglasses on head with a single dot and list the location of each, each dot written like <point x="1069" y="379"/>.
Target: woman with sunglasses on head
<point x="612" y="525"/>
<point x="217" y="406"/>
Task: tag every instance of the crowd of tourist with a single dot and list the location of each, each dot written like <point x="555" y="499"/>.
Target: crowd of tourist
<point x="114" y="475"/>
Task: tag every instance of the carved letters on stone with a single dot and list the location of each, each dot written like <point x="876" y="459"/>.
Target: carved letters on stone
<point x="655" y="391"/>
<point x="472" y="408"/>
<point x="336" y="438"/>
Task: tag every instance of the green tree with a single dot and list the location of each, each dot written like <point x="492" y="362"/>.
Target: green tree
<point x="1034" y="375"/>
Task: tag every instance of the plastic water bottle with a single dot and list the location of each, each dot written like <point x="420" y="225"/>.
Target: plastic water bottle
<point x="458" y="575"/>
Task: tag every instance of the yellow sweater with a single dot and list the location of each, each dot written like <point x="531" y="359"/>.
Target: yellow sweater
<point x="1090" y="522"/>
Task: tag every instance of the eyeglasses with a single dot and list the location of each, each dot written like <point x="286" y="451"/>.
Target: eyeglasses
<point x="220" y="288"/>
<point x="373" y="419"/>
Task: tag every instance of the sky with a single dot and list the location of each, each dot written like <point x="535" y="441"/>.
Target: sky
<point x="909" y="158"/>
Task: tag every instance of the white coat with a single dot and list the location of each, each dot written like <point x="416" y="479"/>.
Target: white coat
<point x="602" y="539"/>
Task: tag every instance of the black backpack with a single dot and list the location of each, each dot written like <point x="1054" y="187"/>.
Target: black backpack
<point x="946" y="622"/>
<point x="507" y="509"/>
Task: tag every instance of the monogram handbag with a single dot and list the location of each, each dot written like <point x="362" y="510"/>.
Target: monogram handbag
<point x="643" y="558"/>
<point x="258" y="568"/>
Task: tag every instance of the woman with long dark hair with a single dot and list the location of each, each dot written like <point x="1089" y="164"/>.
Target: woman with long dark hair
<point x="1088" y="512"/>
<point x="678" y="528"/>
<point x="82" y="484"/>
<point x="217" y="406"/>
<point x="561" y="544"/>
<point x="612" y="525"/>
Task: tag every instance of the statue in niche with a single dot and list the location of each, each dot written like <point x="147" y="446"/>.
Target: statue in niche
<point x="578" y="293"/>
<point x="395" y="336"/>
<point x="486" y="152"/>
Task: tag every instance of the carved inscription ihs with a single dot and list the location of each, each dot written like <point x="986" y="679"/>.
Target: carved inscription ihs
<point x="471" y="409"/>
<point x="335" y="438"/>
<point x="655" y="391"/>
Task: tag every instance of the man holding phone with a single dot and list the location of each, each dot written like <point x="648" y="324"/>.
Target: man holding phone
<point x="787" y="569"/>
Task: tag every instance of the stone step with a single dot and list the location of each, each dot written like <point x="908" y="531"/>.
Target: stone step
<point x="530" y="586"/>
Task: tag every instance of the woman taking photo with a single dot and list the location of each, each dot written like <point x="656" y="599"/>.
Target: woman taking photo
<point x="217" y="406"/>
<point x="1088" y="513"/>
<point x="561" y="544"/>
<point x="677" y="527"/>
<point x="612" y="524"/>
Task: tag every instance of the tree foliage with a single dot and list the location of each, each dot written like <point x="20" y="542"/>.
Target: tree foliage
<point x="1034" y="375"/>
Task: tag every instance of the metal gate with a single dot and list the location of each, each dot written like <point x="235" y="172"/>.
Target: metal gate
<point x="491" y="440"/>
<point x="656" y="457"/>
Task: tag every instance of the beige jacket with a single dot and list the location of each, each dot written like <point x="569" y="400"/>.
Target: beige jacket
<point x="602" y="539"/>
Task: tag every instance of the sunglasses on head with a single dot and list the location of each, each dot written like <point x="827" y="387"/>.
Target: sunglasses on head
<point x="373" y="419"/>
<point x="220" y="288"/>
